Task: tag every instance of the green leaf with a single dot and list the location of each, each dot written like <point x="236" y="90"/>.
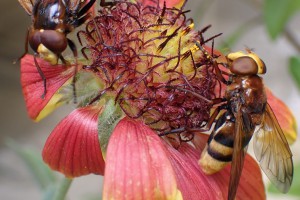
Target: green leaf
<point x="40" y="171"/>
<point x="277" y="13"/>
<point x="107" y="122"/>
<point x="294" y="67"/>
<point x="294" y="190"/>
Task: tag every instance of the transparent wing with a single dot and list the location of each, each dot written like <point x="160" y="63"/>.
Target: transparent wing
<point x="238" y="157"/>
<point x="27" y="5"/>
<point x="273" y="152"/>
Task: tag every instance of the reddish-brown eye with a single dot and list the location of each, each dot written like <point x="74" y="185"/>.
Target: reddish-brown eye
<point x="54" y="41"/>
<point x="244" y="66"/>
<point x="34" y="39"/>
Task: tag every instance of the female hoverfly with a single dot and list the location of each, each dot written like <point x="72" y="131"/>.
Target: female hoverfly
<point x="247" y="114"/>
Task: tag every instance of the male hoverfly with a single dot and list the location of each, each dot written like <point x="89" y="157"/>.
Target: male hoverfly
<point x="247" y="114"/>
<point x="52" y="20"/>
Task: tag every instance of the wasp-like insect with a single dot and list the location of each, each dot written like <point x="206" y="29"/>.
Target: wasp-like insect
<point x="52" y="20"/>
<point x="247" y="114"/>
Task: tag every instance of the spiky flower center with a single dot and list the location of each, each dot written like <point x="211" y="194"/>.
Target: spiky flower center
<point x="145" y="56"/>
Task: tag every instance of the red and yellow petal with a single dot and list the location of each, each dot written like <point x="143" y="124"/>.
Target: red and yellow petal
<point x="137" y="166"/>
<point x="284" y="116"/>
<point x="251" y="185"/>
<point x="73" y="147"/>
<point x="33" y="86"/>
<point x="192" y="182"/>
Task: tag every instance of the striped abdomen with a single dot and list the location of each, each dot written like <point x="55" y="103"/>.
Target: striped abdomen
<point x="218" y="151"/>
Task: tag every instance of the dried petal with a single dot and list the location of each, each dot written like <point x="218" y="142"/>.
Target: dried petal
<point x="33" y="87"/>
<point x="284" y="116"/>
<point x="73" y="147"/>
<point x="251" y="185"/>
<point x="137" y="165"/>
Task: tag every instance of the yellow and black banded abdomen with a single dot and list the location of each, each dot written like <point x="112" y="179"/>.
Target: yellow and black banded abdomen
<point x="218" y="151"/>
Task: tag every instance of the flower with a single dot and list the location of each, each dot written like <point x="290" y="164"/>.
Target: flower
<point x="141" y="58"/>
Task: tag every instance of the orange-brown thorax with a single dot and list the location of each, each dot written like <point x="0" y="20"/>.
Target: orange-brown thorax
<point x="246" y="89"/>
<point x="249" y="92"/>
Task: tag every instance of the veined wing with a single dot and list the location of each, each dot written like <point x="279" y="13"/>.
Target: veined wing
<point x="238" y="156"/>
<point x="273" y="152"/>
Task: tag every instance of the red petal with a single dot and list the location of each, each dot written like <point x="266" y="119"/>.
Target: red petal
<point x="137" y="166"/>
<point x="33" y="88"/>
<point x="192" y="182"/>
<point x="251" y="185"/>
<point x="73" y="147"/>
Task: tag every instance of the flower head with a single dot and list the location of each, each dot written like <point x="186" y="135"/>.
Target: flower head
<point x="141" y="54"/>
<point x="141" y="61"/>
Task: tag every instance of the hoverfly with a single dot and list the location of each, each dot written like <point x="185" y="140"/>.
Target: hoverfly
<point x="247" y="114"/>
<point x="52" y="20"/>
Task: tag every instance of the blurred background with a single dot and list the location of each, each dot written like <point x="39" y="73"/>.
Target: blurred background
<point x="270" y="27"/>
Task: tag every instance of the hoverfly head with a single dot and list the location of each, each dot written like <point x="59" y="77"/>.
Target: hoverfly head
<point x="241" y="63"/>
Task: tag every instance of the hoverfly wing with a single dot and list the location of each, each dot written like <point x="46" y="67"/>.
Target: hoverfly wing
<point x="27" y="5"/>
<point x="273" y="153"/>
<point x="238" y="157"/>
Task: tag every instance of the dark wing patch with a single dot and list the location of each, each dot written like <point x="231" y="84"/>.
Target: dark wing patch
<point x="273" y="152"/>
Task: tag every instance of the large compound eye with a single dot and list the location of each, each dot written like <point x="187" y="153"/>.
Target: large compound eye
<point x="244" y="66"/>
<point x="34" y="38"/>
<point x="54" y="41"/>
<point x="261" y="67"/>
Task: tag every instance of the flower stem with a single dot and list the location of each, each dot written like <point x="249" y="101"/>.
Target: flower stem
<point x="62" y="189"/>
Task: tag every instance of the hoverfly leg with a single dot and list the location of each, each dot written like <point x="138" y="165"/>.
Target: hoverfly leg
<point x="178" y="130"/>
<point x="82" y="19"/>
<point x="218" y="100"/>
<point x="105" y="4"/>
<point x="42" y="76"/>
<point x="74" y="50"/>
<point x="213" y="117"/>
<point x="181" y="130"/>
<point x="63" y="60"/>
<point x="191" y="92"/>
<point x="85" y="8"/>
<point x="220" y="73"/>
